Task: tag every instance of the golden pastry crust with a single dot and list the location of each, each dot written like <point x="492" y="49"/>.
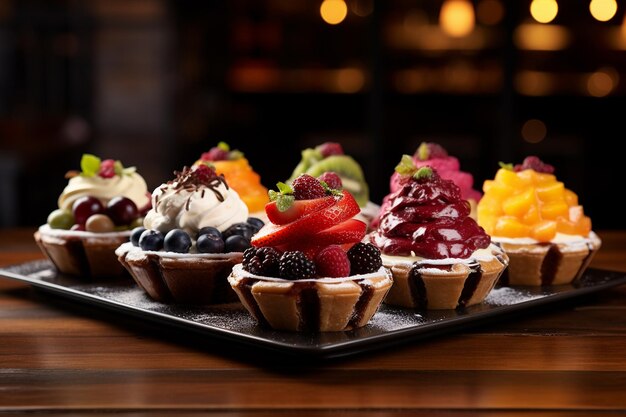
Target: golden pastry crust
<point x="181" y="278"/>
<point x="548" y="264"/>
<point x="325" y="304"/>
<point x="84" y="254"/>
<point x="424" y="286"/>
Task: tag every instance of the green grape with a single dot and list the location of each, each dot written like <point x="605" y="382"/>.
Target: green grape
<point x="60" y="219"/>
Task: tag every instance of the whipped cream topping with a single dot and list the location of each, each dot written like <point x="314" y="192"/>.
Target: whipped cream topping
<point x="132" y="186"/>
<point x="175" y="206"/>
<point x="486" y="255"/>
<point x="560" y="239"/>
<point x="239" y="272"/>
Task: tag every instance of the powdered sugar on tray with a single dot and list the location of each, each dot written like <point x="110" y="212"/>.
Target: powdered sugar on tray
<point x="506" y="296"/>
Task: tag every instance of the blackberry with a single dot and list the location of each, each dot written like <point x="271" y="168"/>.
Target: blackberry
<point x="364" y="258"/>
<point x="295" y="265"/>
<point x="261" y="261"/>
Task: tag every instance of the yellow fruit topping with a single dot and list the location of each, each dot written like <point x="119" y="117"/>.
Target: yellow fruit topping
<point x="530" y="204"/>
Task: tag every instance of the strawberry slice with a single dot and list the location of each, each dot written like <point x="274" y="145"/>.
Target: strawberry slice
<point x="305" y="227"/>
<point x="300" y="208"/>
<point x="345" y="233"/>
<point x="351" y="230"/>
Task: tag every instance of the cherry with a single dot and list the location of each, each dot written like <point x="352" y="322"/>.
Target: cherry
<point x="122" y="210"/>
<point x="85" y="207"/>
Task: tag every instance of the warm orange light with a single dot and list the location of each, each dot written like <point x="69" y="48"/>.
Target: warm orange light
<point x="544" y="11"/>
<point x="602" y="82"/>
<point x="533" y="36"/>
<point x="534" y="131"/>
<point x="603" y="10"/>
<point x="490" y="12"/>
<point x="333" y="11"/>
<point x="457" y="18"/>
<point x="362" y="8"/>
<point x="349" y="80"/>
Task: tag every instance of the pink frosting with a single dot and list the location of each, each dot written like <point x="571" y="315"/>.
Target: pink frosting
<point x="448" y="168"/>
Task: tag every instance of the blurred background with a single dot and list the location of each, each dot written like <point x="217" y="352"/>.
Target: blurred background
<point x="155" y="83"/>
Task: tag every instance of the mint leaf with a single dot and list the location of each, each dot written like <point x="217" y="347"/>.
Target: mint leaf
<point x="90" y="165"/>
<point x="422" y="152"/>
<point x="423" y="172"/>
<point x="406" y="166"/>
<point x="224" y="146"/>
<point x="508" y="167"/>
<point x="330" y="191"/>
<point x="284" y="188"/>
<point x="118" y="168"/>
<point x="284" y="202"/>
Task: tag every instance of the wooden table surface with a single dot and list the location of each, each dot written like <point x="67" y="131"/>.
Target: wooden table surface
<point x="60" y="357"/>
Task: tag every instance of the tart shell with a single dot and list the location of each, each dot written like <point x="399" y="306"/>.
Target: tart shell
<point x="325" y="304"/>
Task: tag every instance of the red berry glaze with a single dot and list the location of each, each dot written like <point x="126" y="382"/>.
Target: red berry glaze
<point x="534" y="163"/>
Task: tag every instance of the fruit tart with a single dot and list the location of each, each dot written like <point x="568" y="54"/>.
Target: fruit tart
<point x="328" y="161"/>
<point x="539" y="224"/>
<point x="307" y="269"/>
<point x="235" y="168"/>
<point x="194" y="234"/>
<point x="96" y="212"/>
<point x="448" y="167"/>
<point x="439" y="256"/>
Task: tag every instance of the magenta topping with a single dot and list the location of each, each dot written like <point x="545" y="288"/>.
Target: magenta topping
<point x="534" y="163"/>
<point x="428" y="218"/>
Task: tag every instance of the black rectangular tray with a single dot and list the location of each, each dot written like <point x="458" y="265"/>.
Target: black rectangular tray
<point x="389" y="326"/>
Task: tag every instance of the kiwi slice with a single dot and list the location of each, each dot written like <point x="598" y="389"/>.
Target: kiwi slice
<point x="350" y="173"/>
<point x="309" y="158"/>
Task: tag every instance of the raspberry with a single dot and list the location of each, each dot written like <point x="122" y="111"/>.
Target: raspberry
<point x="261" y="261"/>
<point x="215" y="154"/>
<point x="295" y="265"/>
<point x="364" y="258"/>
<point x="203" y="174"/>
<point x="436" y="151"/>
<point x="331" y="179"/>
<point x="330" y="148"/>
<point x="107" y="168"/>
<point x="306" y="187"/>
<point x="332" y="261"/>
<point x="534" y="163"/>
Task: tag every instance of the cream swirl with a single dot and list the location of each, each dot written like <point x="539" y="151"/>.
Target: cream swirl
<point x="192" y="208"/>
<point x="132" y="186"/>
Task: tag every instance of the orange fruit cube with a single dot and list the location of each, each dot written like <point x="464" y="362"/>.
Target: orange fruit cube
<point x="551" y="192"/>
<point x="509" y="226"/>
<point x="554" y="209"/>
<point x="519" y="204"/>
<point x="544" y="231"/>
<point x="571" y="198"/>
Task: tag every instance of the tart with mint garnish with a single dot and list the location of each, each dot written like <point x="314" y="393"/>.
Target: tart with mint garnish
<point x="96" y="212"/>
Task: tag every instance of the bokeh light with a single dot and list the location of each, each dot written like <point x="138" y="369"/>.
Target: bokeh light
<point x="534" y="131"/>
<point x="603" y="10"/>
<point x="544" y="11"/>
<point x="333" y="11"/>
<point x="457" y="18"/>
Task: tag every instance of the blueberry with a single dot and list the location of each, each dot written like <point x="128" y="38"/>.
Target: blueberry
<point x="209" y="230"/>
<point x="136" y="234"/>
<point x="209" y="243"/>
<point x="256" y="223"/>
<point x="236" y="243"/>
<point x="177" y="240"/>
<point x="239" y="229"/>
<point x="151" y="240"/>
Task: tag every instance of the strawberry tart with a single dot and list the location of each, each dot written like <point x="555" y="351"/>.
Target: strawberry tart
<point x="96" y="212"/>
<point x="308" y="270"/>
<point x="439" y="256"/>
